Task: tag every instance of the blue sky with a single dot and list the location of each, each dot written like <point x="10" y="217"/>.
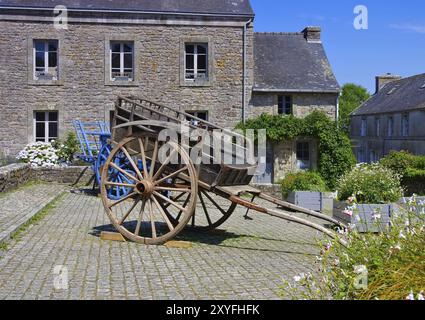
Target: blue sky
<point x="394" y="42"/>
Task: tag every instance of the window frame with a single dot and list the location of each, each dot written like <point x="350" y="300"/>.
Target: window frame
<point x="363" y="127"/>
<point x="196" y="56"/>
<point x="196" y="113"/>
<point x="405" y="125"/>
<point x="285" y="104"/>
<point x="46" y="51"/>
<point x="209" y="80"/>
<point x="390" y="126"/>
<point x="377" y="126"/>
<point x="304" y="151"/>
<point x="46" y="123"/>
<point x="122" y="53"/>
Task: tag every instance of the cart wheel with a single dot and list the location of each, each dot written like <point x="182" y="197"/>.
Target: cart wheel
<point x="162" y="172"/>
<point x="212" y="211"/>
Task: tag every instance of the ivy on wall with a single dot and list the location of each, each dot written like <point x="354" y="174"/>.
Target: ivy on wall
<point x="335" y="154"/>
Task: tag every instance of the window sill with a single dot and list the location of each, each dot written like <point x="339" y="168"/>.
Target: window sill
<point x="122" y="83"/>
<point x="45" y="82"/>
<point x="206" y="83"/>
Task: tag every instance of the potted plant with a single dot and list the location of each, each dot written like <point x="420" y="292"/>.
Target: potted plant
<point x="367" y="196"/>
<point x="307" y="189"/>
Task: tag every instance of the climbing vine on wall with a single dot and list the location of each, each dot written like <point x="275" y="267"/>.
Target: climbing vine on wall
<point x="335" y="153"/>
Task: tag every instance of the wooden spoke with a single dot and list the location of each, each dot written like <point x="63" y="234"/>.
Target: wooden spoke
<point x="205" y="208"/>
<point x="128" y="175"/>
<point x="214" y="202"/>
<point x="164" y="165"/>
<point x="154" y="157"/>
<point x="169" y="201"/>
<point x="122" y="199"/>
<point x="164" y="215"/>
<point x="174" y="174"/>
<point x="116" y="184"/>
<point x="136" y="169"/>
<point x="129" y="212"/>
<point x="184" y="205"/>
<point x="139" y="221"/>
<point x="152" y="220"/>
<point x="173" y="189"/>
<point x="142" y="151"/>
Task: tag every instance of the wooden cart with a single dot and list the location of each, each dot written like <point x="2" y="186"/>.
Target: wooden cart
<point x="160" y="185"/>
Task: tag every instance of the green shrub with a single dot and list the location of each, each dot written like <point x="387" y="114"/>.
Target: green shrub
<point x="303" y="181"/>
<point x="370" y="183"/>
<point x="411" y="169"/>
<point x="68" y="147"/>
<point x="335" y="156"/>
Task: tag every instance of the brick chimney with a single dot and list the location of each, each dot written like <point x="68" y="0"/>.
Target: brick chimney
<point x="312" y="34"/>
<point x="384" y="79"/>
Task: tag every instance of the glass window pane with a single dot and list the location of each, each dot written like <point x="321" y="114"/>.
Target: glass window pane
<point x="116" y="60"/>
<point x="115" y="47"/>
<point x="202" y="62"/>
<point x="39" y="60"/>
<point x="53" y="61"/>
<point x="190" y="48"/>
<point x="53" y="116"/>
<point x="39" y="129"/>
<point x="128" y="47"/>
<point x="39" y="45"/>
<point x="53" y="45"/>
<point x="202" y="49"/>
<point x="53" y="130"/>
<point x="40" y="116"/>
<point x="128" y="61"/>
<point x="190" y="62"/>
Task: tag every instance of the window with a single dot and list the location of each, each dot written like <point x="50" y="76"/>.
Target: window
<point x="46" y="59"/>
<point x="360" y="156"/>
<point x="377" y="127"/>
<point x="372" y="157"/>
<point x="196" y="61"/>
<point x="284" y="104"/>
<point x="363" y="128"/>
<point x="203" y="115"/>
<point x="122" y="61"/>
<point x="303" y="155"/>
<point x="405" y="125"/>
<point x="45" y="126"/>
<point x="390" y="126"/>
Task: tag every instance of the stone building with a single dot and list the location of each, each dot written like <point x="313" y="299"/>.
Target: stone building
<point x="196" y="56"/>
<point x="392" y="119"/>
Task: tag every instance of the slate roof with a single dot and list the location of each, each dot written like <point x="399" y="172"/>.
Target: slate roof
<point x="287" y="62"/>
<point x="397" y="96"/>
<point x="222" y="7"/>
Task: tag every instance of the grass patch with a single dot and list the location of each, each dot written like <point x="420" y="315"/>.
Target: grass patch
<point x="29" y="184"/>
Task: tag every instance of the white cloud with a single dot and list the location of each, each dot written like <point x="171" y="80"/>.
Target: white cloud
<point x="409" y="27"/>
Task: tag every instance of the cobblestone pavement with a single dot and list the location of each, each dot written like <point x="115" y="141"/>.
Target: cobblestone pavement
<point x="246" y="261"/>
<point x="17" y="207"/>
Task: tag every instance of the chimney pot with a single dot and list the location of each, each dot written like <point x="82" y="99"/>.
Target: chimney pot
<point x="312" y="34"/>
<point x="382" y="80"/>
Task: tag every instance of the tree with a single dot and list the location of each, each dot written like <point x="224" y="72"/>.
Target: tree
<point x="351" y="98"/>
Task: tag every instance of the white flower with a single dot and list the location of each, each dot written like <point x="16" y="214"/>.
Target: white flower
<point x="348" y="212"/>
<point x="402" y="236"/>
<point x="300" y="277"/>
<point x="410" y="296"/>
<point x="421" y="296"/>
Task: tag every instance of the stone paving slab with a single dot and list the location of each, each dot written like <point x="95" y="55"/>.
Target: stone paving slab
<point x="17" y="207"/>
<point x="246" y="261"/>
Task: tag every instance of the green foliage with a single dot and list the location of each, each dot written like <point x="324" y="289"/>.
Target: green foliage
<point x="303" y="181"/>
<point x="68" y="147"/>
<point x="335" y="153"/>
<point x="411" y="168"/>
<point x="393" y="263"/>
<point x="351" y="98"/>
<point x="370" y="183"/>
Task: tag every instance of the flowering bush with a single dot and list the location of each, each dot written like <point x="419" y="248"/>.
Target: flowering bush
<point x="39" y="154"/>
<point x="370" y="183"/>
<point x="385" y="266"/>
<point x="67" y="148"/>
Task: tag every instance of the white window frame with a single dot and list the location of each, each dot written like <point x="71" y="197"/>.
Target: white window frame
<point x="46" y="122"/>
<point x="363" y="128"/>
<point x="405" y="123"/>
<point x="46" y="58"/>
<point x="377" y="126"/>
<point x="390" y="132"/>
<point x="122" y="63"/>
<point x="195" y="61"/>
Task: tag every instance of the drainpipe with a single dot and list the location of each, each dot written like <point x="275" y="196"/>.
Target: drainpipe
<point x="245" y="27"/>
<point x="337" y="108"/>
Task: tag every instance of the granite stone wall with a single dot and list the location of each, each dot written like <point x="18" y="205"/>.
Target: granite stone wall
<point x="14" y="175"/>
<point x="83" y="91"/>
